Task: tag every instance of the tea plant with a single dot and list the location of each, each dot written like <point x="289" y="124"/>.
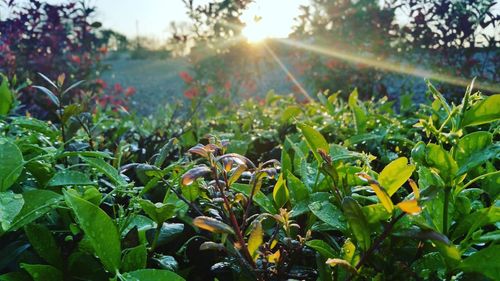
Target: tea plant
<point x="330" y="190"/>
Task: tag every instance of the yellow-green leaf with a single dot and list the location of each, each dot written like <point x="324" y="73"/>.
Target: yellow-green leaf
<point x="255" y="240"/>
<point x="395" y="174"/>
<point x="280" y="192"/>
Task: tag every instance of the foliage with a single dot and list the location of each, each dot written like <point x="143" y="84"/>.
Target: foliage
<point x="57" y="39"/>
<point x="449" y="37"/>
<point x="331" y="190"/>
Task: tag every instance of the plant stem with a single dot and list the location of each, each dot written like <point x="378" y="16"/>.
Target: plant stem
<point x="249" y="203"/>
<point x="377" y="243"/>
<point x="193" y="206"/>
<point x="479" y="178"/>
<point x="232" y="217"/>
<point x="87" y="131"/>
<point x="447" y="192"/>
<point x="155" y="239"/>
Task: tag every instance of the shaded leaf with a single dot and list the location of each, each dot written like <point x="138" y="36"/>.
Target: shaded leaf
<point x="6" y="97"/>
<point x="99" y="229"/>
<point x="49" y="94"/>
<point x="10" y="205"/>
<point x="105" y="168"/>
<point x="134" y="258"/>
<point x="36" y="204"/>
<point x="322" y="248"/>
<point x="67" y="177"/>
<point x="151" y="275"/>
<point x="11" y="163"/>
<point x="44" y="244"/>
<point x="357" y="222"/>
<point x="42" y="272"/>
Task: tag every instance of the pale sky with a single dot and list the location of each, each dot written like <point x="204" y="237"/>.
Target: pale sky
<point x="154" y="16"/>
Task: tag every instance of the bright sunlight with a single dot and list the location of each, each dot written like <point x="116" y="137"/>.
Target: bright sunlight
<point x="270" y="19"/>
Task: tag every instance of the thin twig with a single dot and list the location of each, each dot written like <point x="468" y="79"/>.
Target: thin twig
<point x="377" y="243"/>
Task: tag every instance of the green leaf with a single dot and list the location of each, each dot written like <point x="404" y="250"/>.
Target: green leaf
<point x="322" y="248"/>
<point x="484" y="262"/>
<point x="376" y="213"/>
<point x="298" y="190"/>
<point x="191" y="192"/>
<point x="314" y="139"/>
<point x="482" y="112"/>
<point x="11" y="163"/>
<point x="430" y="266"/>
<point x="99" y="229"/>
<point x="479" y="158"/>
<point x="470" y="144"/>
<point x="152" y="275"/>
<point x="162" y="155"/>
<point x="259" y="197"/>
<point x="66" y="178"/>
<point x="15" y="276"/>
<point x="6" y="97"/>
<point x="441" y="159"/>
<point x="286" y="160"/>
<point x="69" y="111"/>
<point x="358" y="112"/>
<point x="36" y="204"/>
<point x="134" y="258"/>
<point x="105" y="168"/>
<point x="328" y="213"/>
<point x="475" y="149"/>
<point x="478" y="219"/>
<point x="44" y="244"/>
<point x="395" y="174"/>
<point x="42" y="272"/>
<point x="35" y="125"/>
<point x="159" y="212"/>
<point x="290" y="112"/>
<point x="357" y="222"/>
<point x="10" y="205"/>
<point x="280" y="192"/>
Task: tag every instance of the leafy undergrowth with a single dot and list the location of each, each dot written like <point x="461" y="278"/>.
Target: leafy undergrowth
<point x="328" y="190"/>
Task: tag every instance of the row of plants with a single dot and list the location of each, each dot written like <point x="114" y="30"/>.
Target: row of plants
<point x="332" y="189"/>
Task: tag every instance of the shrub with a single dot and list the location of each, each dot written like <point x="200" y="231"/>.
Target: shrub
<point x="345" y="189"/>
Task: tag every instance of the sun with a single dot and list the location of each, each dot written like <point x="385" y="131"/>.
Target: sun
<point x="255" y="32"/>
<point x="269" y="19"/>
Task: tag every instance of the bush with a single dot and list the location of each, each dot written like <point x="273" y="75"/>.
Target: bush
<point x="345" y="189"/>
<point x="50" y="39"/>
